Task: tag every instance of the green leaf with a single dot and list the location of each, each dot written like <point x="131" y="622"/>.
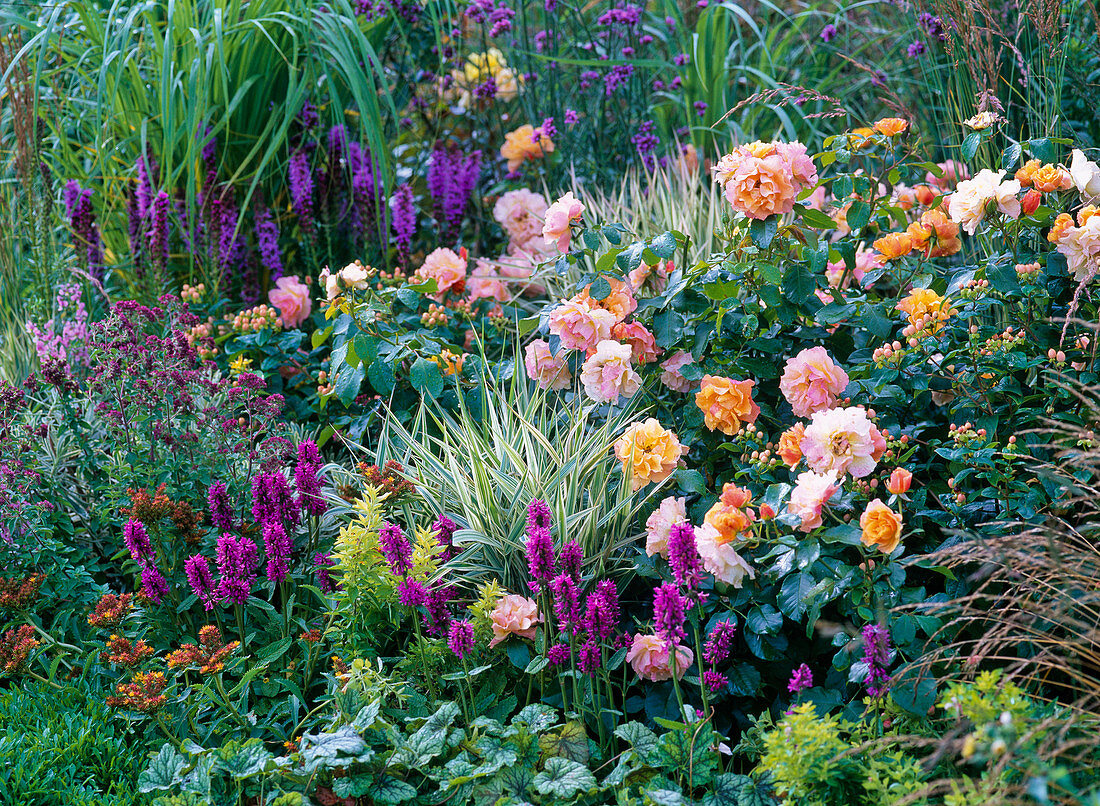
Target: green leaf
<point x="764" y="619"/>
<point x="970" y="146"/>
<point x="563" y="778"/>
<point x="798" y="283"/>
<point x="690" y="481"/>
<point x="600" y="288"/>
<point x="569" y="741"/>
<point x="664" y="246"/>
<point x="591" y="239"/>
<point x="859" y="213"/>
<point x="318" y="749"/>
<point x="537" y="716"/>
<point x="240" y="761"/>
<point x="348" y="383"/>
<point x="744" y="679"/>
<point x="639" y="737"/>
<point x="1043" y="149"/>
<point x="274" y="651"/>
<point x="389" y="790"/>
<point x="381" y="376"/>
<point x="163" y="771"/>
<point x="763" y="230"/>
<point x="428" y="741"/>
<point x="613" y="235"/>
<point x="794" y="593"/>
<point x="817" y="219"/>
<point x="914" y="690"/>
<point x="738" y="790"/>
<point x="1010" y="156"/>
<point x="537" y="664"/>
<point x="426" y="377"/>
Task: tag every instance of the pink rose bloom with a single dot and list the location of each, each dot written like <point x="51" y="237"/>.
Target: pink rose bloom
<point x="953" y="171"/>
<point x="484" y="283"/>
<point x="843" y="440"/>
<point x="721" y="559"/>
<point x="520" y="213"/>
<point x="291" y="297"/>
<point x="551" y="371"/>
<point x="764" y="179"/>
<point x="643" y="347"/>
<point x="520" y="264"/>
<point x="580" y="326"/>
<point x="607" y="374"/>
<point x="514" y="615"/>
<point x="657" y="528"/>
<point x="559" y="216"/>
<point x="649" y="657"/>
<point x="656" y="276"/>
<point x="809" y="495"/>
<point x="672" y="377"/>
<point x="447" y="268"/>
<point x="834" y="272"/>
<point x="812" y="381"/>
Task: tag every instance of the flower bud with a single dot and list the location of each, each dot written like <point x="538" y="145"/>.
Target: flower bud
<point x="900" y="481"/>
<point x="1030" y="202"/>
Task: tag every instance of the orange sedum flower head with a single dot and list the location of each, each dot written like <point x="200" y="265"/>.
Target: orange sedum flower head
<point x="881" y="527"/>
<point x="649" y="453"/>
<point x="726" y="404"/>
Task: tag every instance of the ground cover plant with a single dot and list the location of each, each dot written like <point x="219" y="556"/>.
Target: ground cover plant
<point x="538" y="403"/>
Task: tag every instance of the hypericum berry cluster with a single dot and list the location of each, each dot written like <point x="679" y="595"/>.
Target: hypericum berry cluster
<point x="965" y="434"/>
<point x="201" y="338"/>
<point x="974" y="289"/>
<point x="324" y="386"/>
<point x="256" y="319"/>
<point x="891" y="353"/>
<point x="1009" y="339"/>
<point x="193" y="293"/>
<point x="1027" y="272"/>
<point x="435" y="316"/>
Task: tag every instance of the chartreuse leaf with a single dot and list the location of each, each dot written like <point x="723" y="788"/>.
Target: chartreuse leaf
<point x="563" y="778"/>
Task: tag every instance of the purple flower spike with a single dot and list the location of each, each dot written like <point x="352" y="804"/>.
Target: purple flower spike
<point x="221" y="513"/>
<point x="396" y="549"/>
<point x="876" y="654"/>
<point x="238" y="558"/>
<point x="137" y="542"/>
<point x="307" y="479"/>
<point x="668" y="614"/>
<point x="717" y="647"/>
<point x="801" y="679"/>
<point x="461" y="638"/>
<point x="200" y="579"/>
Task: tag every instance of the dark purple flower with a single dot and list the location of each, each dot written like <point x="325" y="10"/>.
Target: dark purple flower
<point x="438" y="607"/>
<point x="221" y="513"/>
<point x="571" y="117"/>
<point x="538" y="514"/>
<point x="700" y="108"/>
<point x="272" y="500"/>
<point x="301" y="190"/>
<point x="277" y="548"/>
<point x="78" y="205"/>
<point x="646" y="142"/>
<point x="801" y="679"/>
<point x="404" y="220"/>
<point x="153" y="583"/>
<point x="158" y="232"/>
<point x="322" y="565"/>
<point x="617" y="77"/>
<point x="717" y="647"/>
<point x="683" y="555"/>
<point x="876" y="654"/>
<point x="602" y="610"/>
<point x="668" y="614"/>
<point x="558" y="654"/>
<point x="540" y="554"/>
<point x="267" y="238"/>
<point x="567" y="603"/>
<point x="445" y="529"/>
<point x="680" y="59"/>
<point x="829" y="32"/>
<point x="395" y="548"/>
<point x="570" y="559"/>
<point x="591" y="657"/>
<point x="916" y="49"/>
<point x="237" y="559"/>
<point x="200" y="579"/>
<point x="714" y="681"/>
<point x="412" y="593"/>
<point x="308" y="480"/>
<point x="137" y="542"/>
<point x="461" y="638"/>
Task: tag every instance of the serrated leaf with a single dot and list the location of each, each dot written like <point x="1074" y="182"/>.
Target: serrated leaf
<point x="600" y="288"/>
<point x="569" y="741"/>
<point x="563" y="778"/>
<point x="738" y="790"/>
<point x="640" y="738"/>
<point x="240" y="761"/>
<point x="744" y="679"/>
<point x="317" y="749"/>
<point x="163" y="771"/>
<point x="537" y="716"/>
<point x="763" y="230"/>
<point x="389" y="790"/>
<point x="273" y="652"/>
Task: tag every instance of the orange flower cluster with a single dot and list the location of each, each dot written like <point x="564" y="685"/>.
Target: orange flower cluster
<point x="1044" y="178"/>
<point x="19" y="593"/>
<point x="726" y="404"/>
<point x="311" y="637"/>
<point x="731" y="515"/>
<point x="16" y="646"/>
<point x="620" y="302"/>
<point x="121" y="652"/>
<point x="110" y="610"/>
<point x="150" y="510"/>
<point x="209" y="655"/>
<point x="790" y="445"/>
<point x="144" y="693"/>
<point x="926" y="309"/>
<point x="389" y="480"/>
<point x="934" y="234"/>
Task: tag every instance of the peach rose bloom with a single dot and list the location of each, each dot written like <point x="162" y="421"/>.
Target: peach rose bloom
<point x="649" y="453"/>
<point x="899" y="482"/>
<point x="655" y="276"/>
<point x="972" y="198"/>
<point x="607" y="374"/>
<point x="881" y="527"/>
<point x="550" y="371"/>
<point x="1085" y="175"/>
<point x="672" y="377"/>
<point x="721" y="559"/>
<point x="731" y="522"/>
<point x="355" y="275"/>
<point x="485" y="283"/>
<point x="936" y="223"/>
<point x="1080" y="244"/>
<point x="926" y="303"/>
<point x="520" y="212"/>
<point x="726" y="404"/>
<point x="514" y="615"/>
<point x="789" y="447"/>
<point x="843" y="440"/>
<point x="811" y="491"/>
<point x="891" y="126"/>
<point x="560" y="214"/>
<point x="1051" y="178"/>
<point x="447" y="268"/>
<point x="292" y="299"/>
<point x="620" y="301"/>
<point x="812" y="381"/>
<point x="894" y="245"/>
<point x="659" y="525"/>
<point x="580" y="326"/>
<point x="643" y="347"/>
<point x="523" y="144"/>
<point x="764" y="179"/>
<point x="649" y="658"/>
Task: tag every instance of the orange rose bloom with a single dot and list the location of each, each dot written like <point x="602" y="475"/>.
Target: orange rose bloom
<point x="726" y="404"/>
<point x="1025" y="176"/>
<point x="924" y="302"/>
<point x="649" y="453"/>
<point x="522" y="144"/>
<point x="891" y="126"/>
<point x="894" y="245"/>
<point x="620" y="301"/>
<point x="881" y="527"/>
<point x="1050" y="178"/>
<point x="790" y="445"/>
<point x="925" y="195"/>
<point x="730" y="516"/>
<point x="936" y="223"/>
<point x="861" y="137"/>
<point x="1061" y="224"/>
<point x="1030" y="202"/>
